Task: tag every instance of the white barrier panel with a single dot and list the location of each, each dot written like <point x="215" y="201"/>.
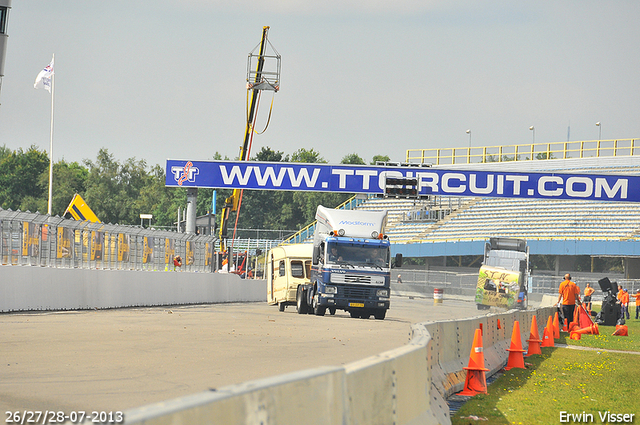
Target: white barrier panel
<point x="308" y="397"/>
<point x="26" y="288"/>
<point x="405" y="386"/>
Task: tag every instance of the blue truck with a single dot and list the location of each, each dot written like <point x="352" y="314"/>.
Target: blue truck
<point x="351" y="265"/>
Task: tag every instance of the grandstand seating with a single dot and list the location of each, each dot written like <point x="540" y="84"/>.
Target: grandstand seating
<point x="478" y="218"/>
<point x="469" y="219"/>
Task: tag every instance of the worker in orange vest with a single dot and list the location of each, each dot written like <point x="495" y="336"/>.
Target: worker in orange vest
<point x="637" y="296"/>
<point x="588" y="291"/>
<point x="624" y="303"/>
<point x="569" y="294"/>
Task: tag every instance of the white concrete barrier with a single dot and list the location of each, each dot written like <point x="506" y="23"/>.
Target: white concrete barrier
<point x="307" y="397"/>
<point x="26" y="288"/>
<point x="404" y="386"/>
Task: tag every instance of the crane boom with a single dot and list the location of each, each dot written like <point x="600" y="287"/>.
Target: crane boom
<point x="231" y="203"/>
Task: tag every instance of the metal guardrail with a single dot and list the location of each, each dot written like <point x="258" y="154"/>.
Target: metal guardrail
<point x="33" y="239"/>
<point x="525" y="152"/>
<point x="540" y="284"/>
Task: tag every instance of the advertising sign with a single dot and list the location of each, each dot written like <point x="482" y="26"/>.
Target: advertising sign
<point x="371" y="179"/>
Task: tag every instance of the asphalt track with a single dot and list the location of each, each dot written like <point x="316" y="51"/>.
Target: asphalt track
<point x="113" y="360"/>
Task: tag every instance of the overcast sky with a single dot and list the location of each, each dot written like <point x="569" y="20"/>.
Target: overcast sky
<point x="153" y="79"/>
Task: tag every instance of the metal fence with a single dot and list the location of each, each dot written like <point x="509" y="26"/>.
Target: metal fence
<point x="540" y="284"/>
<point x="41" y="240"/>
<point x="525" y="152"/>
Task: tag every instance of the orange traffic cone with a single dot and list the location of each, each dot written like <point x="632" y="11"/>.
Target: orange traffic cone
<point x="476" y="381"/>
<point x="481" y="330"/>
<point x="565" y="326"/>
<point x="589" y="330"/>
<point x="516" y="356"/>
<point x="534" y="338"/>
<point x="547" y="335"/>
<point x="556" y="326"/>
<point x="621" y="330"/>
<point x="499" y="327"/>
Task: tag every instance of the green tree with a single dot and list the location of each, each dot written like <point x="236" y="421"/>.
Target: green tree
<point x="114" y="189"/>
<point x="380" y="158"/>
<point x="68" y="179"/>
<point x="310" y="156"/>
<point x="544" y="155"/>
<point x="20" y="183"/>
<point x="160" y="201"/>
<point x="352" y="158"/>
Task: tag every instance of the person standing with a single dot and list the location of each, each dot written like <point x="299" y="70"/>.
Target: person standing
<point x="637" y="296"/>
<point x="619" y="294"/>
<point x="588" y="291"/>
<point x="569" y="294"/>
<point x="624" y="303"/>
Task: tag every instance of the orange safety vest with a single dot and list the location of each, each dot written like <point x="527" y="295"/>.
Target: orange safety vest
<point x="569" y="291"/>
<point x="624" y="299"/>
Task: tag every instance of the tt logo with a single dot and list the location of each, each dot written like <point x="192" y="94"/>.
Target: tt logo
<point x="186" y="173"/>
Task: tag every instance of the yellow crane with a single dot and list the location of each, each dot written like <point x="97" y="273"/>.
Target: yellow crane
<point x="257" y="80"/>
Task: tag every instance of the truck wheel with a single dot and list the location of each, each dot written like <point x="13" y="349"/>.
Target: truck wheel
<point x="380" y="314"/>
<point x="365" y="314"/>
<point x="281" y="306"/>
<point x="318" y="310"/>
<point x="354" y="314"/>
<point x="301" y="304"/>
<point x="332" y="311"/>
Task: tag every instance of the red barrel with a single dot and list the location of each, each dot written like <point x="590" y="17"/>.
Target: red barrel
<point x="437" y="295"/>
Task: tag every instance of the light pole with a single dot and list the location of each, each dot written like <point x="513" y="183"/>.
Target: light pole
<point x="599" y="130"/>
<point x="469" y="133"/>
<point x="532" y="128"/>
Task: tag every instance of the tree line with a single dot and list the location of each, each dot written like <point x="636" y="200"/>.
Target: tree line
<point x="119" y="191"/>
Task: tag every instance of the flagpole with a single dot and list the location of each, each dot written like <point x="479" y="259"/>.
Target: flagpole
<point x="53" y="78"/>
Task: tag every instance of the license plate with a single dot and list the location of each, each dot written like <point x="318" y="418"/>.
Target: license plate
<point x="356" y="304"/>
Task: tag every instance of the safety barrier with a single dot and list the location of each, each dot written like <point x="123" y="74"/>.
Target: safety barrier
<point x="407" y="385"/>
<point x="46" y="288"/>
<point x="33" y="239"/>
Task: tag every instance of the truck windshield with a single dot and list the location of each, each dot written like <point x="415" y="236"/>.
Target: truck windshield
<point x="358" y="255"/>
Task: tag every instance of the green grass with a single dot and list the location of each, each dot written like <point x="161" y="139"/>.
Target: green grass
<point x="606" y="341"/>
<point x="564" y="379"/>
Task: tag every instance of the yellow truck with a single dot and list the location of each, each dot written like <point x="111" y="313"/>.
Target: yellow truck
<point x="504" y="274"/>
<point x="287" y="267"/>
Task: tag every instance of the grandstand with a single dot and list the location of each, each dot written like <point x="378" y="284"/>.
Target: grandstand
<point x="482" y="218"/>
<point x="442" y="226"/>
<point x="528" y="219"/>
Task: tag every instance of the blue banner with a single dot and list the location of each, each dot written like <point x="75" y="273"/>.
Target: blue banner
<point x="371" y="179"/>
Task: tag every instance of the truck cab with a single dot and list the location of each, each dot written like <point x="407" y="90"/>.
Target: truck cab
<point x="351" y="265"/>
<point x="504" y="274"/>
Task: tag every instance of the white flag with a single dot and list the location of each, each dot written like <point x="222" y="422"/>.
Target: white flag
<point x="44" y="77"/>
